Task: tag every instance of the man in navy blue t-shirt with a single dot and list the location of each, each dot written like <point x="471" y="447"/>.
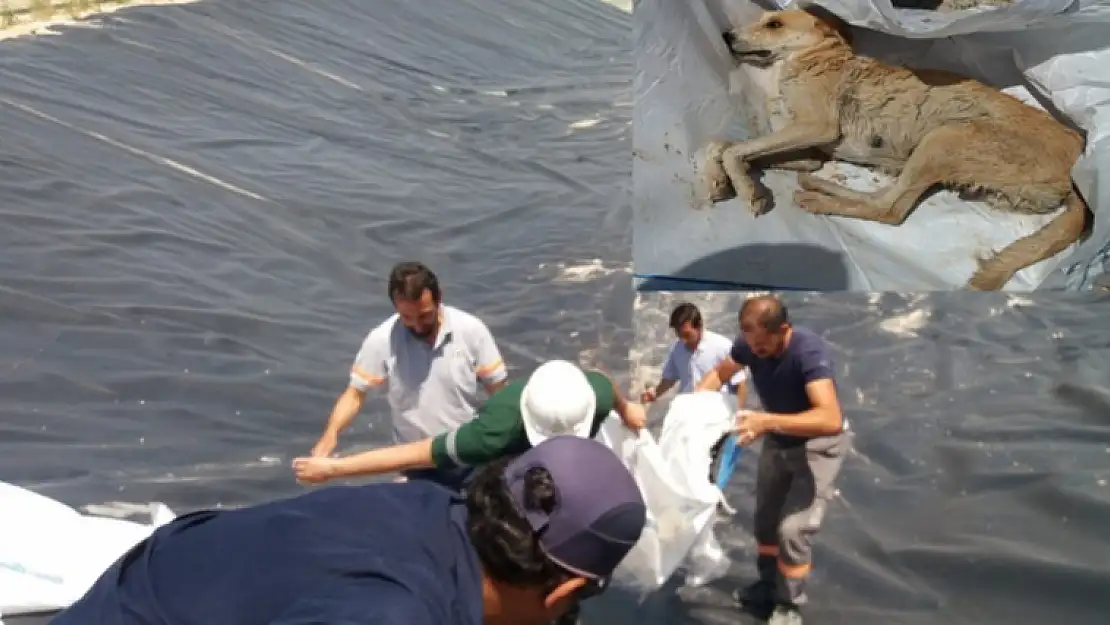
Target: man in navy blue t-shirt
<point x="532" y="536"/>
<point x="805" y="442"/>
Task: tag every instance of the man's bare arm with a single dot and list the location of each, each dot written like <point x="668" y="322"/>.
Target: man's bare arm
<point x="823" y="419"/>
<point x="664" y="386"/>
<point x="742" y="394"/>
<point x="416" y="455"/>
<point x="715" y="378"/>
<point x="346" y="408"/>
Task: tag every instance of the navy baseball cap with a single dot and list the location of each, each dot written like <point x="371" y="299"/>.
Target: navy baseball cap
<point x="599" y="512"/>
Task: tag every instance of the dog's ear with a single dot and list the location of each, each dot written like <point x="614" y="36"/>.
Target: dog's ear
<point x="829" y="22"/>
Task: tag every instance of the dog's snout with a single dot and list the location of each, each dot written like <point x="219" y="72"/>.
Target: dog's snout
<point x="729" y="37"/>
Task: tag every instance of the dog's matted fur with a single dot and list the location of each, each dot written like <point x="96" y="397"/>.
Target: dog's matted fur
<point x="930" y="128"/>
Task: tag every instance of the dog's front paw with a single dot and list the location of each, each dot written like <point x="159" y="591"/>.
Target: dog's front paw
<point x="720" y="188"/>
<point x="760" y="201"/>
<point x="813" y="202"/>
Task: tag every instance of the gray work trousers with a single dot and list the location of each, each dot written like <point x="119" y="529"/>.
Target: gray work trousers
<point x="794" y="484"/>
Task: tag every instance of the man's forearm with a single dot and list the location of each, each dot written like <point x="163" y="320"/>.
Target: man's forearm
<point x="417" y="455"/>
<point x="663" y="387"/>
<point x="346" y="408"/>
<point x="711" y="382"/>
<point x="620" y="402"/>
<point x="813" y="422"/>
<point x="742" y="394"/>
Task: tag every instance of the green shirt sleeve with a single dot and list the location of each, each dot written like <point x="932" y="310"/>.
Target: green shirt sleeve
<point x="497" y="431"/>
<point x="606" y="399"/>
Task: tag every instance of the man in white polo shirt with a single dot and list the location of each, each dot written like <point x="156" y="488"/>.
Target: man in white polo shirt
<point x="431" y="356"/>
<point x="696" y="352"/>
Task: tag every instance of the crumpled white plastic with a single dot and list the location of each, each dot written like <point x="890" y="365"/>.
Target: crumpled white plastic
<point x="673" y="475"/>
<point x="50" y="554"/>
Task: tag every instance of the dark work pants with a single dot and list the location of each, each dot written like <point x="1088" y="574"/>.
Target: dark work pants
<point x="794" y="485"/>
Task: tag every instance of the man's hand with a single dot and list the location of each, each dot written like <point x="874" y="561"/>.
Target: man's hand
<point x="325" y="445"/>
<point x="314" y="470"/>
<point x="648" y="395"/>
<point x="634" y="417"/>
<point x="751" y="424"/>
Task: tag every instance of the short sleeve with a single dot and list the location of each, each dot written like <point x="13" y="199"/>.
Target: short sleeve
<point x="370" y="369"/>
<point x="490" y="367"/>
<point x="604" y="394"/>
<point x="497" y="431"/>
<point x="739" y="351"/>
<point x="670" y="367"/>
<point x="816" y="362"/>
<point x="367" y="603"/>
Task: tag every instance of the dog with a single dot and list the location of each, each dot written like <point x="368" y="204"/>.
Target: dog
<point x="929" y="128"/>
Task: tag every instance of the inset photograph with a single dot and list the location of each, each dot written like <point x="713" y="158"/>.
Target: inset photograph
<point x="860" y="145"/>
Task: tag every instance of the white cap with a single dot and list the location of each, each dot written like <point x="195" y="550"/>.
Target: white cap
<point x="557" y="400"/>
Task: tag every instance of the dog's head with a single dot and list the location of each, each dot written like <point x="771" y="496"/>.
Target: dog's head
<point x="778" y="34"/>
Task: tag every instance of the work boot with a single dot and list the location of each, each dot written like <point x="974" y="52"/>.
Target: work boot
<point x="785" y="614"/>
<point x="757" y="595"/>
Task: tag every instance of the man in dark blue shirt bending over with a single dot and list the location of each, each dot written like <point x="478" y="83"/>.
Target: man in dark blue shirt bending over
<point x="805" y="441"/>
<point x="532" y="536"/>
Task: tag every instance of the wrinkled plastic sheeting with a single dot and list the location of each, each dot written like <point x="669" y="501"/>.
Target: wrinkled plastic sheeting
<point x="673" y="475"/>
<point x="51" y="554"/>
<point x="689" y="92"/>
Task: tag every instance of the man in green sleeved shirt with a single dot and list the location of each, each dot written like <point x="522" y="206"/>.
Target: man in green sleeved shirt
<point x="557" y="399"/>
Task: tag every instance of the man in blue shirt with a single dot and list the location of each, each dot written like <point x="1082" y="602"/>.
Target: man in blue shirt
<point x="696" y="352"/>
<point x="531" y="537"/>
<point x="805" y="441"/>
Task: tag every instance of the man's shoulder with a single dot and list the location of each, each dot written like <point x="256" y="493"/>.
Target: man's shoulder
<point x="809" y="340"/>
<point x="811" y="351"/>
<point x="675" y="350"/>
<point x="466" y="327"/>
<point x="419" y="527"/>
<point x="463" y="320"/>
<point x="384" y="330"/>
<point x="717" y="341"/>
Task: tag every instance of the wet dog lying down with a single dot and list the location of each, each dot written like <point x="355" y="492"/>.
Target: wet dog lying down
<point x="930" y="128"/>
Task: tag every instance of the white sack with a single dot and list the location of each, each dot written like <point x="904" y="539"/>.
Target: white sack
<point x="50" y="554"/>
<point x="688" y="91"/>
<point x="673" y="476"/>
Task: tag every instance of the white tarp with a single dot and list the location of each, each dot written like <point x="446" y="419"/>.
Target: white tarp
<point x="50" y="554"/>
<point x="689" y="91"/>
<point x="673" y="475"/>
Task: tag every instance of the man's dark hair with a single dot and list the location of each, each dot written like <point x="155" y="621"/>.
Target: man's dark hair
<point x="408" y="281"/>
<point x="769" y="312"/>
<point x="506" y="545"/>
<point x="685" y="312"/>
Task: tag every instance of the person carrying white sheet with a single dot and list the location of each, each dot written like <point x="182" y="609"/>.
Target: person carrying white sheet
<point x="696" y="352"/>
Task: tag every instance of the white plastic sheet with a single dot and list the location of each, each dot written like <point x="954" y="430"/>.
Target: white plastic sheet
<point x="673" y="475"/>
<point x="50" y="554"/>
<point x="688" y="92"/>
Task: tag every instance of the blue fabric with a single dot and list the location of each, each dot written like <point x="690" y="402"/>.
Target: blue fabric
<point x="378" y="554"/>
<point x="454" y="479"/>
<point x="730" y="455"/>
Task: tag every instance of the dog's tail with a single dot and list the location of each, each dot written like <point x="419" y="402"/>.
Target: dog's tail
<point x="1053" y="238"/>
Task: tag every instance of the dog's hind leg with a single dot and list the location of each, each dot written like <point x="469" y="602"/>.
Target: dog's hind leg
<point x="930" y="164"/>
